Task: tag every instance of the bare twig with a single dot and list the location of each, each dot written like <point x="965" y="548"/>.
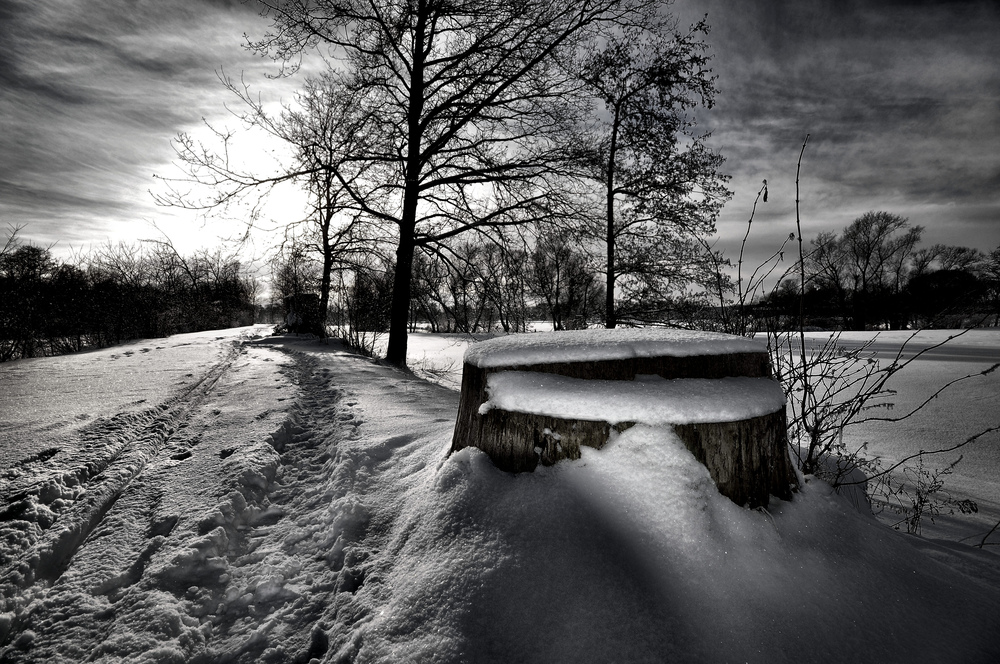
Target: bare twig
<point x="983" y="541"/>
<point x="924" y="453"/>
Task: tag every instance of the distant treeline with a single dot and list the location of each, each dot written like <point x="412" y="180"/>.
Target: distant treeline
<point x="873" y="275"/>
<point x="477" y="286"/>
<point x="120" y="292"/>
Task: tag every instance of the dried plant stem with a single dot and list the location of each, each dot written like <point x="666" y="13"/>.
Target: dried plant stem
<point x="806" y="383"/>
<point x="921" y="454"/>
<point x="739" y="263"/>
<point x="983" y="542"/>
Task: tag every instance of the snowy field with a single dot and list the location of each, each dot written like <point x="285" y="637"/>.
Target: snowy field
<point x="228" y="496"/>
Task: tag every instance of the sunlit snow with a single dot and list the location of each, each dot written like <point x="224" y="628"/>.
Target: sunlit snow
<point x="648" y="399"/>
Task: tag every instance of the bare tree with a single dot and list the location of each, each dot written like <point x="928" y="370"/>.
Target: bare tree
<point x="947" y="257"/>
<point x="867" y="266"/>
<point x="569" y="290"/>
<point x="294" y="271"/>
<point x="991" y="275"/>
<point x="458" y="103"/>
<point x="661" y="185"/>
<point x="327" y="135"/>
<point x="11" y="242"/>
<point x="829" y="272"/>
<point x="877" y="246"/>
<point x="504" y="269"/>
<point x="474" y="285"/>
<point x="325" y="132"/>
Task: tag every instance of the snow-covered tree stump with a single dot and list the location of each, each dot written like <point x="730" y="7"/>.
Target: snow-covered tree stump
<point x="537" y="398"/>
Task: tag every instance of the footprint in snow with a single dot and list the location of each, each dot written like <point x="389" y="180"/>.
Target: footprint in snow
<point x="162" y="526"/>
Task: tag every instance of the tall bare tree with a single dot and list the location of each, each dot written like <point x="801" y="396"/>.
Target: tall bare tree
<point x="661" y="185"/>
<point x="325" y="132"/>
<point x="458" y="102"/>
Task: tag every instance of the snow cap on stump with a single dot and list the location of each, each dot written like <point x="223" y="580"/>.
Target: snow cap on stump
<point x="537" y="398"/>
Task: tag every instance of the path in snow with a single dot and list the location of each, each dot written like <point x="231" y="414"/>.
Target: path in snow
<point x="133" y="497"/>
<point x="46" y="401"/>
<point x="221" y="523"/>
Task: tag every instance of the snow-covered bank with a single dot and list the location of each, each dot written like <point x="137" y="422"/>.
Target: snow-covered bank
<point x="302" y="507"/>
<point x="965" y="409"/>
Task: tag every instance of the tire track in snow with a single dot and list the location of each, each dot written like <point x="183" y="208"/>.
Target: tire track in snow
<point x="231" y="579"/>
<point x="281" y="557"/>
<point x="47" y="514"/>
<point x="149" y="574"/>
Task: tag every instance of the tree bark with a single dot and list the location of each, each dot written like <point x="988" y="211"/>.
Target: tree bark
<point x="326" y="211"/>
<point x="610" y="319"/>
<point x="399" y="312"/>
<point x="747" y="459"/>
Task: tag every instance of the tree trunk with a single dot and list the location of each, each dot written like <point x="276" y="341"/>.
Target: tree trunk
<point x="610" y="319"/>
<point x="748" y="459"/>
<point x="325" y="278"/>
<point x="399" y="312"/>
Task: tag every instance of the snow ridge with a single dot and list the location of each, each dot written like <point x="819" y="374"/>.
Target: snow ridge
<point x="601" y="344"/>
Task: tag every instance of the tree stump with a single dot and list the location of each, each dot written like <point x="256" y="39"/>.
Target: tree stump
<point x="537" y="398"/>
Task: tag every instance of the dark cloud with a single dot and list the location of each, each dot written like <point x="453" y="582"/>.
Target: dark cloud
<point x="902" y="101"/>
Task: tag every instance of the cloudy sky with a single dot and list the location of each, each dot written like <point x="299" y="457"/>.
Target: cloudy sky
<point x="91" y="95"/>
<point x="901" y="98"/>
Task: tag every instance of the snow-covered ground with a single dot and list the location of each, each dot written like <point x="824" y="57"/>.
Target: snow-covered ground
<point x="965" y="409"/>
<point x="228" y="496"/>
